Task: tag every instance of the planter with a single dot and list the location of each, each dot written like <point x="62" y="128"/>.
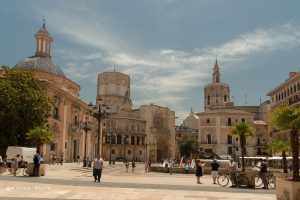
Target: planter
<point x="282" y="175"/>
<point x="30" y="169"/>
<point x="287" y="190"/>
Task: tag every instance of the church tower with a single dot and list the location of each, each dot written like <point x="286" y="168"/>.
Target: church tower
<point x="43" y="42"/>
<point x="216" y="94"/>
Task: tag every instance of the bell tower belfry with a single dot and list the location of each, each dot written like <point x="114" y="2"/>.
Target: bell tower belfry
<point x="216" y="94"/>
<point x="43" y="42"/>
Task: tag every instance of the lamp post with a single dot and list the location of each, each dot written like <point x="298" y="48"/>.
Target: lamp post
<point x="125" y="141"/>
<point x="86" y="126"/>
<point x="99" y="113"/>
<point x="109" y="137"/>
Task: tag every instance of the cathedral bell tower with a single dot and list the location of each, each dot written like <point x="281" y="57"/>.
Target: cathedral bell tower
<point x="216" y="94"/>
<point x="43" y="42"/>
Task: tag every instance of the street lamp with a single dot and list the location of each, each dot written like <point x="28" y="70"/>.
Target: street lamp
<point x="99" y="114"/>
<point x="86" y="126"/>
<point x="125" y="141"/>
<point x="109" y="137"/>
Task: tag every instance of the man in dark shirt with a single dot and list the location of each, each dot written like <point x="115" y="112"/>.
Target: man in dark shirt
<point x="214" y="170"/>
<point x="263" y="173"/>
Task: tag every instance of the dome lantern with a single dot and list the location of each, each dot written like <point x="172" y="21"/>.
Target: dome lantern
<point x="43" y="41"/>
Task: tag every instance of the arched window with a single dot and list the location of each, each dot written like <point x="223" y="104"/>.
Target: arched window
<point x="112" y="151"/>
<point x="208" y="100"/>
<point x="138" y="140"/>
<point x="129" y="152"/>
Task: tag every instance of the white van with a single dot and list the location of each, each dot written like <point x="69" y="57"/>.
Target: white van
<point x="26" y="152"/>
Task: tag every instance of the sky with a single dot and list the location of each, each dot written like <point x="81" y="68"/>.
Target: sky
<point x="167" y="47"/>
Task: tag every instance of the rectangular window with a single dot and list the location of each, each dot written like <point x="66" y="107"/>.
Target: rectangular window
<point x="229" y="139"/>
<point x="208" y="121"/>
<point x="229" y="121"/>
<point x="229" y="150"/>
<point x="53" y="147"/>
<point x="66" y="145"/>
<point x="243" y="120"/>
<point x="208" y="139"/>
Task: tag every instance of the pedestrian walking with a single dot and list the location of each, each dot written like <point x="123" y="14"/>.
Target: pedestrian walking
<point x="133" y="165"/>
<point x="186" y="168"/>
<point x="263" y="173"/>
<point x="61" y="159"/>
<point x="233" y="172"/>
<point x="199" y="171"/>
<point x="126" y="165"/>
<point x="146" y="166"/>
<point x="214" y="170"/>
<point x="171" y="165"/>
<point x="97" y="168"/>
<point x="78" y="159"/>
<point x="36" y="163"/>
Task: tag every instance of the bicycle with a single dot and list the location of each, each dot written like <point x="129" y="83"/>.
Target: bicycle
<point x="241" y="180"/>
<point x="270" y="178"/>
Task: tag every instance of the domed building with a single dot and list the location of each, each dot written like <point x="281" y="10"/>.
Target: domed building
<point x="68" y="111"/>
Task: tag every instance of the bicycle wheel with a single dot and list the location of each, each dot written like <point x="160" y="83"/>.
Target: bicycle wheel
<point x="223" y="180"/>
<point x="18" y="170"/>
<point x="25" y="172"/>
<point x="258" y="181"/>
<point x="242" y="181"/>
<point x="272" y="182"/>
<point x="2" y="170"/>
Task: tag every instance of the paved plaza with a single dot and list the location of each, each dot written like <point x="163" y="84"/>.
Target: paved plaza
<point x="72" y="181"/>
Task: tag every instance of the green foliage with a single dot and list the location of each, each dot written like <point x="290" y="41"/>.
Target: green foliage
<point x="242" y="130"/>
<point x="188" y="144"/>
<point x="286" y="118"/>
<point x="40" y="135"/>
<point x="280" y="146"/>
<point x="23" y="106"/>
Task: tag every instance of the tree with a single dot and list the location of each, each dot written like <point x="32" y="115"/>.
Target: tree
<point x="242" y="130"/>
<point x="23" y="106"/>
<point x="188" y="144"/>
<point x="280" y="146"/>
<point x="286" y="118"/>
<point x="39" y="136"/>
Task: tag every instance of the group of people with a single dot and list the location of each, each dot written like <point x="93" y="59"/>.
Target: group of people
<point x="54" y="159"/>
<point x="127" y="165"/>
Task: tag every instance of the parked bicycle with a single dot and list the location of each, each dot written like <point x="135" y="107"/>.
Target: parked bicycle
<point x="241" y="180"/>
<point x="270" y="178"/>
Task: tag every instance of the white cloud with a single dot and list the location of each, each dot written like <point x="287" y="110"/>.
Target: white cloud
<point x="163" y="73"/>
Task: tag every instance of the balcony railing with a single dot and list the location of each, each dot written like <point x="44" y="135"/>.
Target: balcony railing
<point x="74" y="128"/>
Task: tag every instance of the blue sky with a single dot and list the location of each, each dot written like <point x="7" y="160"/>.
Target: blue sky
<point x="168" y="47"/>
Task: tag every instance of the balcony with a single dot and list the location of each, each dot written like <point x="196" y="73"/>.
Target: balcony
<point x="74" y="128"/>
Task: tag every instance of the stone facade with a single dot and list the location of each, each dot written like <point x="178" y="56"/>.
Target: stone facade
<point x="219" y="117"/>
<point x="149" y="130"/>
<point x="68" y="111"/>
<point x="286" y="93"/>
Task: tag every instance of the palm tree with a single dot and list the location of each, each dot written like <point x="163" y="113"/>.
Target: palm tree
<point x="286" y="118"/>
<point x="39" y="136"/>
<point x="280" y="146"/>
<point x="242" y="130"/>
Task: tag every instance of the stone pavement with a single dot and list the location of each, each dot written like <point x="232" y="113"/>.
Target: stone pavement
<point x="72" y="181"/>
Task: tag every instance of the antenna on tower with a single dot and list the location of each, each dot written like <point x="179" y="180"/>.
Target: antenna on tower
<point x="245" y="99"/>
<point x="114" y="68"/>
